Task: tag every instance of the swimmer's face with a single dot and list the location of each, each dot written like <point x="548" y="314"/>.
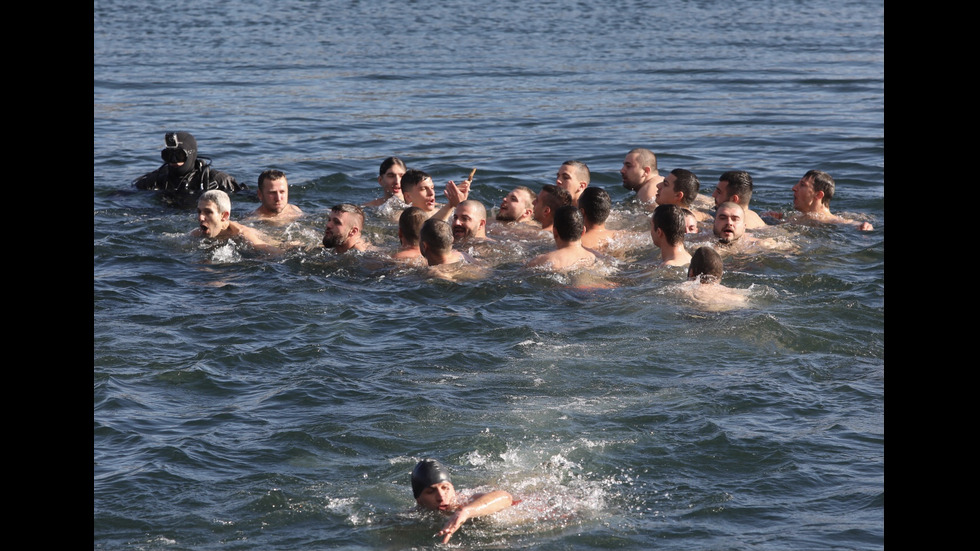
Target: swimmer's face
<point x="804" y="195"/>
<point x="720" y="194"/>
<point x="424" y="195"/>
<point x="729" y="224"/>
<point x="438" y="497"/>
<point x="274" y="194"/>
<point x="538" y="207"/>
<point x="632" y="172"/>
<point x="210" y="221"/>
<point x="515" y="207"/>
<point x="391" y="180"/>
<point x="690" y="224"/>
<point x="339" y="228"/>
<point x="466" y="223"/>
<point x="568" y="179"/>
<point x="665" y="191"/>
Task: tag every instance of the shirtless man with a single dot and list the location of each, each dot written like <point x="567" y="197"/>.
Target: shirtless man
<point x="667" y="228"/>
<point x="409" y="226"/>
<point x="680" y="188"/>
<point x="390" y="179"/>
<point x="436" y="244"/>
<point x="567" y="228"/>
<point x="470" y="222"/>
<point x="343" y="230"/>
<point x="573" y="177"/>
<point x="705" y="287"/>
<point x="434" y="491"/>
<point x="548" y="200"/>
<point x="812" y="195"/>
<point x="273" y="192"/>
<point x="517" y="206"/>
<point x="640" y="174"/>
<point x="595" y="205"/>
<point x="729" y="228"/>
<point x="214" y="221"/>
<point x="419" y="191"/>
<point x="736" y="186"/>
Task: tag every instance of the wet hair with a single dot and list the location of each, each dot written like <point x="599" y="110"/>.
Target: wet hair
<point x="706" y="265"/>
<point x="595" y="204"/>
<point x="390" y="162"/>
<point x="272" y="175"/>
<point x="555" y="196"/>
<point x="412" y="178"/>
<point x="582" y="168"/>
<point x="686" y="182"/>
<point x="531" y="195"/>
<point x="821" y="182"/>
<point x="569" y="224"/>
<point x="426" y="473"/>
<point x="645" y="157"/>
<point x="670" y="220"/>
<point x="410" y="223"/>
<point x="739" y="183"/>
<point x="437" y="235"/>
<point x="351" y="208"/>
<point x="218" y="197"/>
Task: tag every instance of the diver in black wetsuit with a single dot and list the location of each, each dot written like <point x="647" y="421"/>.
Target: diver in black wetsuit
<point x="185" y="175"/>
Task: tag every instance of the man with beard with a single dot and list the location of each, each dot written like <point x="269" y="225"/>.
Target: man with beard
<point x="729" y="228"/>
<point x="343" y="230"/>
<point x="185" y="175"/>
<point x="736" y="186"/>
<point x="470" y="222"/>
<point x="517" y="206"/>
<point x="640" y="174"/>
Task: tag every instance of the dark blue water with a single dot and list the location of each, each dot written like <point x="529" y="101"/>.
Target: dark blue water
<point x="247" y="402"/>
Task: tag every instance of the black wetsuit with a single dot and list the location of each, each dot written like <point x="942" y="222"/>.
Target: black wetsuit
<point x="184" y="190"/>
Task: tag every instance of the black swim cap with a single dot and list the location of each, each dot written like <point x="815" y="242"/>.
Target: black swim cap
<point x="426" y="473"/>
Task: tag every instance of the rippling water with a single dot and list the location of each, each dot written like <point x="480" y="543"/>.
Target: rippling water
<point x="246" y="402"/>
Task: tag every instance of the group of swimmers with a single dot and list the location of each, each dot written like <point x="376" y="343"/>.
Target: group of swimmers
<point x="451" y="240"/>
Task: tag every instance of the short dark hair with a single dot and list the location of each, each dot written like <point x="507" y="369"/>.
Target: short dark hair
<point x="821" y="182"/>
<point x="412" y="178"/>
<point x="437" y="235"/>
<point x="569" y="224"/>
<point x="595" y="204"/>
<point x="351" y="208"/>
<point x="739" y="183"/>
<point x="272" y="175"/>
<point x="582" y="168"/>
<point x="556" y="196"/>
<point x="410" y="223"/>
<point x="688" y="183"/>
<point x="670" y="220"/>
<point x="706" y="265"/>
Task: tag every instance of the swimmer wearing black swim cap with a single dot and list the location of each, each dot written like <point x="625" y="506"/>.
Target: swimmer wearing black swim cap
<point x="434" y="491"/>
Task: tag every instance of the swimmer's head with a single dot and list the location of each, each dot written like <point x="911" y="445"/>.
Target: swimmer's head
<point x="426" y="473"/>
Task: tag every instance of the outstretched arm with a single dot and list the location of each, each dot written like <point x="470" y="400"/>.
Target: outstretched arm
<point x="482" y="505"/>
<point x="455" y="195"/>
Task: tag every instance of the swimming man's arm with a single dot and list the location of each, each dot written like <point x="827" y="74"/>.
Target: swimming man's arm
<point x="482" y="505"/>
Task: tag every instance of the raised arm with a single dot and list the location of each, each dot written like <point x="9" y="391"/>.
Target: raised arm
<point x="481" y="505"/>
<point x="455" y="195"/>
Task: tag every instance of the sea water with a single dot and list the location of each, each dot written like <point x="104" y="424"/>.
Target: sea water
<point x="243" y="401"/>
